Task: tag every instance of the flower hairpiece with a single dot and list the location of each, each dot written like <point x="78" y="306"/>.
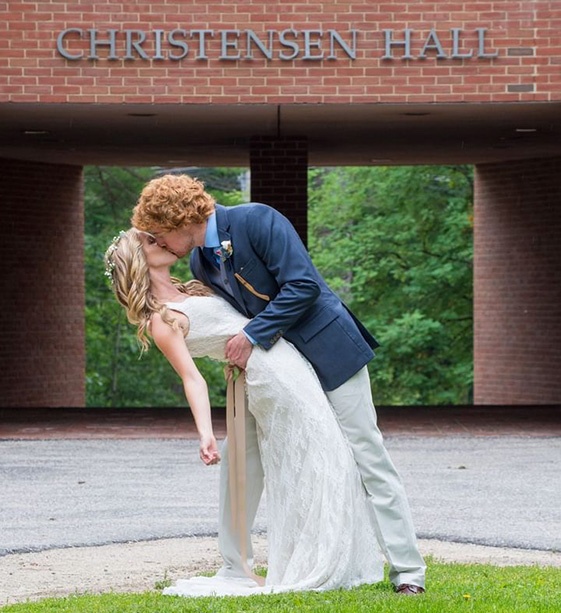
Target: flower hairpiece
<point x="109" y="262"/>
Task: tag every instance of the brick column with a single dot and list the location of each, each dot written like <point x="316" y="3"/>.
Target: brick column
<point x="42" y="348"/>
<point x="279" y="177"/>
<point x="517" y="282"/>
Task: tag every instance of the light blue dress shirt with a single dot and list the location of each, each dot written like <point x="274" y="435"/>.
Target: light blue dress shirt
<point x="212" y="241"/>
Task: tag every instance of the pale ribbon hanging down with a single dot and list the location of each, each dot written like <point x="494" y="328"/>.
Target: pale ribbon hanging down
<point x="236" y="405"/>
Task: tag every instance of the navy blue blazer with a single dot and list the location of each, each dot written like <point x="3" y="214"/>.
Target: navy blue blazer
<point x="276" y="285"/>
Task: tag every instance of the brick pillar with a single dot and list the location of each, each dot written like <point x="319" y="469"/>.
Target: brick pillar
<point x="279" y="177"/>
<point x="42" y="348"/>
<point x="517" y="282"/>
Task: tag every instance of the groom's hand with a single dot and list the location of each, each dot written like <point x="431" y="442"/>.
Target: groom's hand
<point x="238" y="350"/>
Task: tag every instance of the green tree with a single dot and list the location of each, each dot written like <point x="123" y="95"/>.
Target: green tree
<point x="396" y="244"/>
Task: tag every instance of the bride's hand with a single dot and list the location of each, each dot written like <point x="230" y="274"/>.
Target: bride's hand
<point x="208" y="450"/>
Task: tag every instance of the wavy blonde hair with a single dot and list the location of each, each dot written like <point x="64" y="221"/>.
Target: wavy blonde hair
<point x="125" y="265"/>
<point x="170" y="202"/>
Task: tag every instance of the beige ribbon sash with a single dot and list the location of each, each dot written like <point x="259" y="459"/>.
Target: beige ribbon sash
<point x="236" y="406"/>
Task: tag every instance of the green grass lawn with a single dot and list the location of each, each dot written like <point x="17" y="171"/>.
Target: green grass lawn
<point x="451" y="588"/>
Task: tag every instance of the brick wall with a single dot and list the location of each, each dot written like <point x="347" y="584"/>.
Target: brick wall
<point x="517" y="283"/>
<point x="42" y="353"/>
<point x="524" y="36"/>
<point x="279" y="177"/>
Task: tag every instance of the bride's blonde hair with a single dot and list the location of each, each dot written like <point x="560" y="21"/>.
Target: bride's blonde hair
<point x="126" y="267"/>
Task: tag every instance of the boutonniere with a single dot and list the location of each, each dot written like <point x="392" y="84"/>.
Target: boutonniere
<point x="226" y="250"/>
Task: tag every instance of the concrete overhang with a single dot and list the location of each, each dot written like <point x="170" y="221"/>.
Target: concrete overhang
<point x="338" y="134"/>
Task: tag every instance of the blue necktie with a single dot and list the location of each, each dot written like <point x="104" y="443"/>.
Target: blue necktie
<point x="210" y="256"/>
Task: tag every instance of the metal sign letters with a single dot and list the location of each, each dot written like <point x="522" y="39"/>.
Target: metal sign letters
<point x="76" y="44"/>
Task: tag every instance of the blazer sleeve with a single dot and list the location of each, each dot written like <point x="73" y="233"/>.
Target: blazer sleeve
<point x="284" y="256"/>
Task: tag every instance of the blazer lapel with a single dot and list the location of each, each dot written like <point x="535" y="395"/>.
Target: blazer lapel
<point x="199" y="266"/>
<point x="226" y="266"/>
<point x="204" y="271"/>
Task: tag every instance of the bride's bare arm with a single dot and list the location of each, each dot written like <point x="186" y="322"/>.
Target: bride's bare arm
<point x="172" y="344"/>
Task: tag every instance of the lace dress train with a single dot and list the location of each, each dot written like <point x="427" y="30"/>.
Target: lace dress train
<point x="319" y="531"/>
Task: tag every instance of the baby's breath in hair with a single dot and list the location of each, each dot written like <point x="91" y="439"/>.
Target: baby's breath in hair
<point x="109" y="261"/>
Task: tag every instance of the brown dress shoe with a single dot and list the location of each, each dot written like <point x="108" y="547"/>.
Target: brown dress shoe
<point x="409" y="590"/>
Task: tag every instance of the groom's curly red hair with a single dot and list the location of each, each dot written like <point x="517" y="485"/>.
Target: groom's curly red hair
<point x="170" y="202"/>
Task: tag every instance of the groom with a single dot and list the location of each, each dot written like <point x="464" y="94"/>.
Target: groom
<point x="252" y="256"/>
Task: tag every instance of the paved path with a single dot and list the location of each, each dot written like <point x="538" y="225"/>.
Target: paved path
<point x="500" y="491"/>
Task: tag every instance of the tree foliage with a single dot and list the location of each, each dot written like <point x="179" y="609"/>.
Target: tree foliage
<point x="396" y="244"/>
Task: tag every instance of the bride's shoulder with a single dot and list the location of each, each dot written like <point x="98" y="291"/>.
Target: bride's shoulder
<point x="162" y="326"/>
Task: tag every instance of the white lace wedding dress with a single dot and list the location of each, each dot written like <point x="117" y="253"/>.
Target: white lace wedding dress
<point x="319" y="532"/>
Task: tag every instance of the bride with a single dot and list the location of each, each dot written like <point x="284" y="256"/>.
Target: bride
<point x="319" y="533"/>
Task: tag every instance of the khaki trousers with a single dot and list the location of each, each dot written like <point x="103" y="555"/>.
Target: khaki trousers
<point x="355" y="412"/>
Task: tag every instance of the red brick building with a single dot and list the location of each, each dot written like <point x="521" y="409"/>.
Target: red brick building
<point x="279" y="86"/>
